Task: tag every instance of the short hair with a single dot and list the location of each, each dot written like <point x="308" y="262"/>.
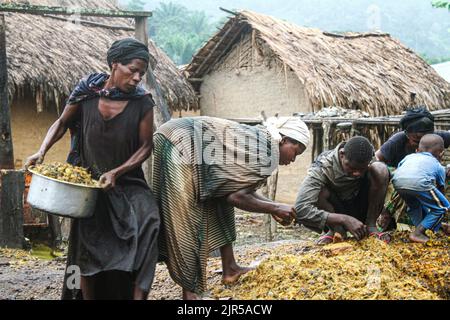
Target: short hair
<point x="358" y="149"/>
<point x="431" y="143"/>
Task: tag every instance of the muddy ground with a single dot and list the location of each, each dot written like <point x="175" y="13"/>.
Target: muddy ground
<point x="26" y="277"/>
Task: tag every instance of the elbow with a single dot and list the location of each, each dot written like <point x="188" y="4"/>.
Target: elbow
<point x="379" y="156"/>
<point x="234" y="199"/>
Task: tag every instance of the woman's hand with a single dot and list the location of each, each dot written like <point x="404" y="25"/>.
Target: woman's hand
<point x="36" y="158"/>
<point x="107" y="180"/>
<point x="284" y="215"/>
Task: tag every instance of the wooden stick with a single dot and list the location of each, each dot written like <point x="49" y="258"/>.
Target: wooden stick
<point x="211" y="52"/>
<point x="90" y="23"/>
<point x="6" y="145"/>
<point x="40" y="10"/>
<point x="229" y="11"/>
<point x="230" y="43"/>
<point x="269" y="191"/>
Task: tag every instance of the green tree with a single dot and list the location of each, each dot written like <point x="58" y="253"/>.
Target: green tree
<point x="136" y="5"/>
<point x="180" y="32"/>
<point x="441" y="4"/>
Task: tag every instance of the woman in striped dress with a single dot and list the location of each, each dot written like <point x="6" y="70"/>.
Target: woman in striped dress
<point x="203" y="168"/>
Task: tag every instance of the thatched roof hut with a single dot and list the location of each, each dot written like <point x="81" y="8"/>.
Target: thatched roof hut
<point x="48" y="56"/>
<point x="369" y="71"/>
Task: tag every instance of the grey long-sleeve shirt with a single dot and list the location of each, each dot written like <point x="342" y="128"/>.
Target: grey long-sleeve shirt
<point x="325" y="171"/>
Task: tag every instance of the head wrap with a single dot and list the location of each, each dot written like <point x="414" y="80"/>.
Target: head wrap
<point x="291" y="127"/>
<point x="418" y="119"/>
<point x="126" y="50"/>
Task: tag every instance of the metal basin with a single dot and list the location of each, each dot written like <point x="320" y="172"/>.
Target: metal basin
<point x="61" y="198"/>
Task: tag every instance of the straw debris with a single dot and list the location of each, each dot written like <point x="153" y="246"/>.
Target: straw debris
<point x="370" y="269"/>
<point x="65" y="172"/>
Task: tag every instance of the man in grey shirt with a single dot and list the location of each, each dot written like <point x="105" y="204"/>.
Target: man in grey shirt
<point x="344" y="190"/>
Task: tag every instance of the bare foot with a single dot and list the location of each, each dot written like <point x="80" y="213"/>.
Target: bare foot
<point x="234" y="274"/>
<point x="445" y="227"/>
<point x="418" y="237"/>
<point x="189" y="295"/>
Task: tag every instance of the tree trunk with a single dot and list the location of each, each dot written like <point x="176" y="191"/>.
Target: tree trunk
<point x="11" y="208"/>
<point x="6" y="147"/>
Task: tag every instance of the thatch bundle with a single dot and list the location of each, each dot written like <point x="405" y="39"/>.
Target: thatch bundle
<point x="48" y="56"/>
<point x="372" y="72"/>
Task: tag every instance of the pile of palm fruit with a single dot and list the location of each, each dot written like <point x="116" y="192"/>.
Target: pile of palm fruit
<point x="65" y="172"/>
<point x="370" y="269"/>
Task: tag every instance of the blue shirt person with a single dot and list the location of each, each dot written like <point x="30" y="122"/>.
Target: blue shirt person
<point x="420" y="180"/>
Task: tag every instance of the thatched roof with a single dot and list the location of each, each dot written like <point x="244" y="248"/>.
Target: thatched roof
<point x="369" y="71"/>
<point x="48" y="56"/>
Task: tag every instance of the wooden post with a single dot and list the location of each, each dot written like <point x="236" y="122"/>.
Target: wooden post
<point x="161" y="114"/>
<point x="269" y="191"/>
<point x="6" y="146"/>
<point x="326" y="125"/>
<point x="317" y="141"/>
<point x="11" y="208"/>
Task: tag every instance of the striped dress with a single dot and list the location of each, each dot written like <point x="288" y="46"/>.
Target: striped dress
<point x="198" y="162"/>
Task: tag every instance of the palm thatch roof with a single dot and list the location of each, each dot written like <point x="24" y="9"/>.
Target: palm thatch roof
<point x="369" y="71"/>
<point x="48" y="56"/>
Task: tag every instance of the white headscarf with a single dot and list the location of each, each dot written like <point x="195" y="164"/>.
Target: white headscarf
<point x="291" y="127"/>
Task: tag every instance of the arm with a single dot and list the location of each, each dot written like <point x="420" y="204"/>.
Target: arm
<point x="108" y="179"/>
<point x="316" y="219"/>
<point x="379" y="155"/>
<point x="306" y="207"/>
<point x="390" y="150"/>
<point x="247" y="199"/>
<point x="445" y="135"/>
<point x="56" y="132"/>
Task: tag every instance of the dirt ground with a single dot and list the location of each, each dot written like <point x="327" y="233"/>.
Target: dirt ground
<point x="26" y="277"/>
<point x="31" y="278"/>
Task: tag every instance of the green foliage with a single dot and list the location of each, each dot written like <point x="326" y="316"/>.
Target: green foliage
<point x="416" y="23"/>
<point x="434" y="60"/>
<point x="178" y="31"/>
<point x="441" y="4"/>
<point x="136" y="5"/>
